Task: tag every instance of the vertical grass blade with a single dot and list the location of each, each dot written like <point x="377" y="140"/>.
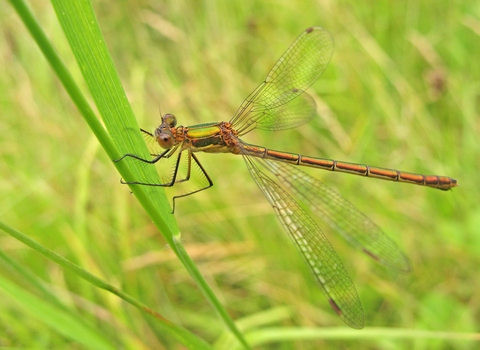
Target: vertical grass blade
<point x="83" y="33"/>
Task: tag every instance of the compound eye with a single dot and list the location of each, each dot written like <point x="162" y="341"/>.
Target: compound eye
<point x="170" y="120"/>
<point x="165" y="140"/>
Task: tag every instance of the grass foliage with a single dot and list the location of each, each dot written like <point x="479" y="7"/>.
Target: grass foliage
<point x="402" y="91"/>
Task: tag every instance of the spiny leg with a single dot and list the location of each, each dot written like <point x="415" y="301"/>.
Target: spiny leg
<point x="187" y="178"/>
<point x="170" y="184"/>
<point x="167" y="154"/>
<point x="210" y="183"/>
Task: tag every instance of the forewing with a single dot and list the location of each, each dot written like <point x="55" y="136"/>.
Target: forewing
<point x="298" y="68"/>
<point x="314" y="247"/>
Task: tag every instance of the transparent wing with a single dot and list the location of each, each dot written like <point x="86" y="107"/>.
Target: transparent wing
<point x="341" y="215"/>
<point x="314" y="247"/>
<point x="297" y="112"/>
<point x="298" y="68"/>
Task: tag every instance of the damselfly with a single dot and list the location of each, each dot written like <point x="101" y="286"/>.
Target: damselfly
<point x="280" y="103"/>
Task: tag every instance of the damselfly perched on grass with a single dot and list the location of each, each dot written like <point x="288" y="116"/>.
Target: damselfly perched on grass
<point x="280" y="103"/>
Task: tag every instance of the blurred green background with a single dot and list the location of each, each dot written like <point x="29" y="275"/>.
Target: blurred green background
<point x="402" y="91"/>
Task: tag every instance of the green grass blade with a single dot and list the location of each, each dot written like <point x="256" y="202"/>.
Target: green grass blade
<point x="82" y="31"/>
<point x="62" y="321"/>
<point x="274" y="335"/>
<point x="181" y="334"/>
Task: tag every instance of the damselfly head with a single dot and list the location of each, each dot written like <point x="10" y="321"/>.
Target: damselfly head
<point x="163" y="134"/>
<point x="164" y="138"/>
